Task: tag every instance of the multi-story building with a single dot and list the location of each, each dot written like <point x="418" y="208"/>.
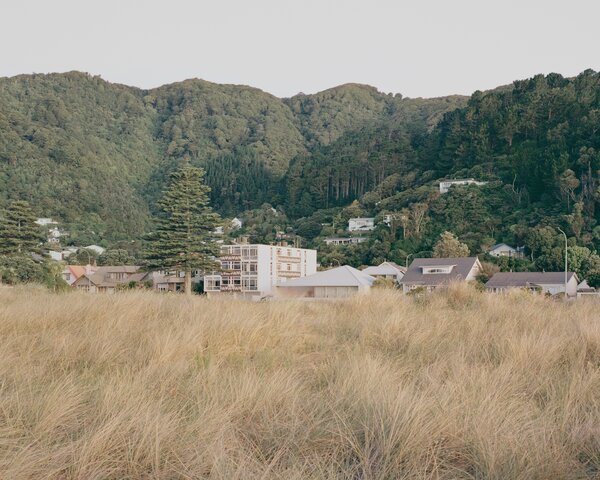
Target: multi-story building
<point x="253" y="270"/>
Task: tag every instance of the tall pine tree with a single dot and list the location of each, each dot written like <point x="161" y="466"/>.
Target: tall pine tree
<point x="182" y="239"/>
<point x="19" y="234"/>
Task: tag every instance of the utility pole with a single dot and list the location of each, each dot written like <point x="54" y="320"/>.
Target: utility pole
<point x="566" y="248"/>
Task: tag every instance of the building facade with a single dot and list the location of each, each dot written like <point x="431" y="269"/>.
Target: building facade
<point x="364" y="224"/>
<point x="345" y="240"/>
<point x="431" y="273"/>
<point x="446" y="184"/>
<point x="504" y="250"/>
<point x="549" y="283"/>
<point x="253" y="270"/>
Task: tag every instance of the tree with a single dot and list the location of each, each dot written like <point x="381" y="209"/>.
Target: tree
<point x="19" y="234"/>
<point x="568" y="182"/>
<point x="116" y="257"/>
<point x="449" y="246"/>
<point x="84" y="256"/>
<point x="182" y="238"/>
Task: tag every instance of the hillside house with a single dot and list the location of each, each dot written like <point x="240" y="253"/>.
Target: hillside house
<point x="345" y="240"/>
<point x="432" y="273"/>
<point x="339" y="282"/>
<point x="386" y="270"/>
<point x="550" y="283"/>
<point x="253" y="270"/>
<point x="584" y="290"/>
<point x="44" y="222"/>
<point x="504" y="250"/>
<point x="446" y="184"/>
<point x="363" y="224"/>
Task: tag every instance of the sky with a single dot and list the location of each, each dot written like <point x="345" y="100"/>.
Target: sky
<point x="419" y="48"/>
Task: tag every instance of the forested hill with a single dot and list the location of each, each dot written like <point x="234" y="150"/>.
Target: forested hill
<point x="95" y="154"/>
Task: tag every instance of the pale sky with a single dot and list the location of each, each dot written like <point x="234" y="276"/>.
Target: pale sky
<point x="420" y="48"/>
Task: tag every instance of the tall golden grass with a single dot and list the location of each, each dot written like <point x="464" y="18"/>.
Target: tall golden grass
<point x="456" y="385"/>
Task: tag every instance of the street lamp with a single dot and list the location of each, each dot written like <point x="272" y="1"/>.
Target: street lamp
<point x="566" y="247"/>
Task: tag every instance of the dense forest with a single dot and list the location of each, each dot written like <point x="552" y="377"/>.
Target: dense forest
<point x="96" y="156"/>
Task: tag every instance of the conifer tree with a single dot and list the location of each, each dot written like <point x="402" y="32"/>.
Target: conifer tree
<point x="182" y="238"/>
<point x="19" y="234"/>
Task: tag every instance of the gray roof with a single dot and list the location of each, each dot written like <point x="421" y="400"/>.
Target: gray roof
<point x="494" y="247"/>
<point x="524" y="279"/>
<point x="344" y="276"/>
<point x="584" y="287"/>
<point x="462" y="268"/>
<point x="386" y="268"/>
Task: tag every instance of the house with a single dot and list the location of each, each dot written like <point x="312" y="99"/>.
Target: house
<point x="549" y="283"/>
<point x="236" y="223"/>
<point x="431" y="273"/>
<point x="446" y="184"/>
<point x="253" y="270"/>
<point x="73" y="272"/>
<point x="504" y="250"/>
<point x="168" y="282"/>
<point x="45" y="222"/>
<point x="108" y="279"/>
<point x="365" y="224"/>
<point x="339" y="282"/>
<point x="584" y="290"/>
<point x="95" y="248"/>
<point x="386" y="270"/>
<point x="345" y="240"/>
<point x="54" y="235"/>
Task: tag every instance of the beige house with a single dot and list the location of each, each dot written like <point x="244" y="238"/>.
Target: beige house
<point x="108" y="279"/>
<point x="339" y="282"/>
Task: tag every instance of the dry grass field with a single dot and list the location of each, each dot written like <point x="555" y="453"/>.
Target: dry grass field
<point x="457" y="385"/>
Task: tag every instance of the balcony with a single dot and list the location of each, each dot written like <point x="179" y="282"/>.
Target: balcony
<point x="287" y="274"/>
<point x="285" y="258"/>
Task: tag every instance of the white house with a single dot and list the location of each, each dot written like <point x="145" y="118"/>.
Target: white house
<point x="550" y="283"/>
<point x="345" y="240"/>
<point x="504" y="250"/>
<point x="253" y="270"/>
<point x="45" y="222"/>
<point x="95" y="248"/>
<point x="364" y="224"/>
<point x="339" y="282"/>
<point x="236" y="223"/>
<point x="446" y="184"/>
<point x="584" y="290"/>
<point x="432" y="273"/>
<point x="386" y="270"/>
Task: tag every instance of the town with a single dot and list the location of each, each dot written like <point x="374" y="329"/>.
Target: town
<point x="282" y="270"/>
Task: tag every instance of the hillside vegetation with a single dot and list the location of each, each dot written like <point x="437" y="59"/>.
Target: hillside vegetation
<point x="457" y="385"/>
<point x="96" y="155"/>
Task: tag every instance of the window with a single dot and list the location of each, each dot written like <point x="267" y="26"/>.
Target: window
<point x="437" y="269"/>
<point x="212" y="283"/>
<point x="249" y="284"/>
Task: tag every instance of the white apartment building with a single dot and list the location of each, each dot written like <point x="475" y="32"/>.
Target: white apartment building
<point x="365" y="224"/>
<point x="253" y="270"/>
